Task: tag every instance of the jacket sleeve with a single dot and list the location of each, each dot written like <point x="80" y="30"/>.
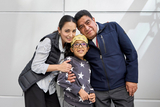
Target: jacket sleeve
<point x="130" y="54"/>
<point x="67" y="85"/>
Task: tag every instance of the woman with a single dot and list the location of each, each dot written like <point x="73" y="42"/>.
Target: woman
<point x="49" y="53"/>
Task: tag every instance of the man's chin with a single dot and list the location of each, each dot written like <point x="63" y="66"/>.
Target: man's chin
<point x="91" y="37"/>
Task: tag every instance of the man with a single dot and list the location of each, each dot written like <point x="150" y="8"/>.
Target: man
<point x="113" y="61"/>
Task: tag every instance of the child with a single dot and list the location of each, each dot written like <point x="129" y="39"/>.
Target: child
<point x="79" y="93"/>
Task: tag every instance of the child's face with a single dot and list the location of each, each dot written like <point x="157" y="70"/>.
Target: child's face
<point x="79" y="48"/>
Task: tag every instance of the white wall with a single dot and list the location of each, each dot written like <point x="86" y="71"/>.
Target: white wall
<point x="24" y="22"/>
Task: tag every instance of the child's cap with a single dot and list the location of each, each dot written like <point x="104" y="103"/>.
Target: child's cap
<point x="79" y="37"/>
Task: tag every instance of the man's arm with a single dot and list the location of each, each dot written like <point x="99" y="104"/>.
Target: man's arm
<point x="131" y="88"/>
<point x="71" y="77"/>
<point x="131" y="60"/>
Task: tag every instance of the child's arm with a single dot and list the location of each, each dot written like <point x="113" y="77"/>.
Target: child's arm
<point x="83" y="94"/>
<point x="67" y="85"/>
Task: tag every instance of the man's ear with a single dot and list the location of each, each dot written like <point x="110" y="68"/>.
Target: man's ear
<point x="88" y="47"/>
<point x="71" y="49"/>
<point x="93" y="19"/>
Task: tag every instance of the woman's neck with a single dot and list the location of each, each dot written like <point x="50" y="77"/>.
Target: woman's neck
<point x="63" y="43"/>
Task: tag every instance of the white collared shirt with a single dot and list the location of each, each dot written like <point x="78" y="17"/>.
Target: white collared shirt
<point x="39" y="66"/>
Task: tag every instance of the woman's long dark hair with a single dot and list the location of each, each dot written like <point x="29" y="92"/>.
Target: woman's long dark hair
<point x="68" y="51"/>
<point x="63" y="20"/>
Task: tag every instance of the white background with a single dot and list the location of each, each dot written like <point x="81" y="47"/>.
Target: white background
<point x="24" y="22"/>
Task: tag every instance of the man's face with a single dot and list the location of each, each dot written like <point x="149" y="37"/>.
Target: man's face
<point x="87" y="26"/>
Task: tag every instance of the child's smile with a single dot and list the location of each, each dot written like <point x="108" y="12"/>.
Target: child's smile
<point x="79" y="49"/>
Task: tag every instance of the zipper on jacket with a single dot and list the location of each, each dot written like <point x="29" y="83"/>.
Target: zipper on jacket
<point x="105" y="71"/>
<point x="103" y="62"/>
<point x="103" y="44"/>
<point x="100" y="56"/>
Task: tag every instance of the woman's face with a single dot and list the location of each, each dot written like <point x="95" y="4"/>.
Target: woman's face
<point x="67" y="32"/>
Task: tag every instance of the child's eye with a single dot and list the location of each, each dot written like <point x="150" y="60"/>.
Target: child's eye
<point x="84" y="44"/>
<point x="76" y="44"/>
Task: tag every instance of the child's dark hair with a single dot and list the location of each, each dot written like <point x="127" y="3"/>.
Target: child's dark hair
<point x="82" y="13"/>
<point x="68" y="51"/>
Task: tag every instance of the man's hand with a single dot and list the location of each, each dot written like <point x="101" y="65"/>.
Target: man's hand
<point x="131" y="88"/>
<point x="71" y="77"/>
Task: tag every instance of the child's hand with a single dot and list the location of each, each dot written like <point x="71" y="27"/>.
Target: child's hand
<point x="92" y="97"/>
<point x="83" y="94"/>
<point x="65" y="66"/>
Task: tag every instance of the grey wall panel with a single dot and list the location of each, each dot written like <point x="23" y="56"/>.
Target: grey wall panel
<point x="111" y="5"/>
<point x="11" y="101"/>
<point x="31" y="5"/>
<point x="147" y="103"/>
<point x="20" y="33"/>
<point x="143" y="29"/>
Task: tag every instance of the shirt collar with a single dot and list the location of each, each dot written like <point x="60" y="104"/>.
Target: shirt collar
<point x="97" y="28"/>
<point x="60" y="45"/>
<point x="94" y="39"/>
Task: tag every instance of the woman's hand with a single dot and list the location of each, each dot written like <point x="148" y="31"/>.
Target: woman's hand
<point x="65" y="66"/>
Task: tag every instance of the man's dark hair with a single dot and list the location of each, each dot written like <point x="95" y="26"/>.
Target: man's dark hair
<point x="82" y="13"/>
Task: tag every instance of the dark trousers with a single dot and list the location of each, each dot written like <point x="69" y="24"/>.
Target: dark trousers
<point x="119" y="96"/>
<point x="35" y="97"/>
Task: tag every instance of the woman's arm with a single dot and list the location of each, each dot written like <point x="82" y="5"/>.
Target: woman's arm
<point x="64" y="67"/>
<point x="42" y="53"/>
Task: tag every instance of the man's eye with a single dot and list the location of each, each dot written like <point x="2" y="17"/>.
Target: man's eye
<point x="80" y="27"/>
<point x="87" y="22"/>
